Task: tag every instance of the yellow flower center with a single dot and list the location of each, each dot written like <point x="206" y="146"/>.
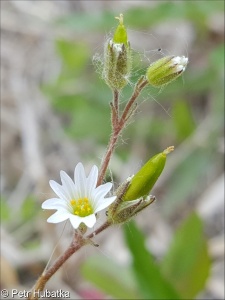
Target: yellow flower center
<point x="81" y="207"/>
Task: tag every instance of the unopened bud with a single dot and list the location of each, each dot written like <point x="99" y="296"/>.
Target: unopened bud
<point x="117" y="58"/>
<point x="166" y="69"/>
<point x="120" y="35"/>
<point x="144" y="180"/>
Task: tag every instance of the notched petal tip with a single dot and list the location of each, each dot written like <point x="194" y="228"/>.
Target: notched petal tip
<point x="90" y="220"/>
<point x="58" y="217"/>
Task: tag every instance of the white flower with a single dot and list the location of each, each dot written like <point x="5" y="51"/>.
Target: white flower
<point x="78" y="201"/>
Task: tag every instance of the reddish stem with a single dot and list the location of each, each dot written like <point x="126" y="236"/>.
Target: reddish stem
<point x="118" y="124"/>
<point x="74" y="247"/>
<point x="130" y="103"/>
<point x="108" y="154"/>
<point x="116" y="101"/>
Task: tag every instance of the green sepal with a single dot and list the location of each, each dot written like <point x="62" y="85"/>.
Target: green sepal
<point x="128" y="209"/>
<point x="117" y="59"/>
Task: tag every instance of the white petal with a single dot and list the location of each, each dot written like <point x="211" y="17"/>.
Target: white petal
<point x="103" y="189"/>
<point x="100" y="192"/>
<point x="54" y="203"/>
<point x="176" y="60"/>
<point x="92" y="181"/>
<point x="75" y="221"/>
<point x="68" y="184"/>
<point x="58" y="217"/>
<point x="80" y="180"/>
<point x="104" y="203"/>
<point x="179" y="68"/>
<point x="58" y="189"/>
<point x="184" y="60"/>
<point x="89" y="220"/>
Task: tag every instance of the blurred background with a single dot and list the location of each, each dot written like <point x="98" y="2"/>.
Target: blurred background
<point x="55" y="113"/>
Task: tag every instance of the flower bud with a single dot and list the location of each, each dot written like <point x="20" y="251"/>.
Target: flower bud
<point x="133" y="195"/>
<point x="120" y="35"/>
<point x="117" y="58"/>
<point x="166" y="69"/>
<point x="143" y="181"/>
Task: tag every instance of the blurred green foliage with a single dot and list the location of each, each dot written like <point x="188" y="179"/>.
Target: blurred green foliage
<point x="20" y="218"/>
<point x="5" y="211"/>
<point x="183" y="120"/>
<point x="180" y="274"/>
<point x="103" y="273"/>
<point x="75" y="97"/>
<point x="187" y="262"/>
<point x="17" y="216"/>
<point x="144" y="17"/>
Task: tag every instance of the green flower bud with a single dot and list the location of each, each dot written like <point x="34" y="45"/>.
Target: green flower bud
<point x="143" y="181"/>
<point x="120" y="35"/>
<point x="117" y="58"/>
<point x="165" y="70"/>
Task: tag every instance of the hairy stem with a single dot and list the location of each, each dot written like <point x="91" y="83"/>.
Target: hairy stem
<point x="116" y="101"/>
<point x="118" y="124"/>
<point x="136" y="93"/>
<point x="107" y="157"/>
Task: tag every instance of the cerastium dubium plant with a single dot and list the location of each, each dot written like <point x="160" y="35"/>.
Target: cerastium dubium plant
<point x="81" y="200"/>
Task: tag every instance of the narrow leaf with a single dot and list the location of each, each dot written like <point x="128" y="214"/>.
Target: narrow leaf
<point x="29" y="208"/>
<point x="187" y="262"/>
<point x="5" y="210"/>
<point x="151" y="282"/>
<point x="183" y="120"/>
<point x="113" y="279"/>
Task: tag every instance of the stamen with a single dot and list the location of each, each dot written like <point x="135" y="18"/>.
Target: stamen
<point x="81" y="207"/>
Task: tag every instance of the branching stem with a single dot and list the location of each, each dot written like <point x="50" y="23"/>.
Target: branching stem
<point x="79" y="240"/>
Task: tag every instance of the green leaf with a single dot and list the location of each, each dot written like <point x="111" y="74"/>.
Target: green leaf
<point x="5" y="210"/>
<point x="216" y="59"/>
<point x="113" y="279"/>
<point x="152" y="283"/>
<point x="28" y="209"/>
<point x="187" y="262"/>
<point x="74" y="54"/>
<point x="183" y="120"/>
